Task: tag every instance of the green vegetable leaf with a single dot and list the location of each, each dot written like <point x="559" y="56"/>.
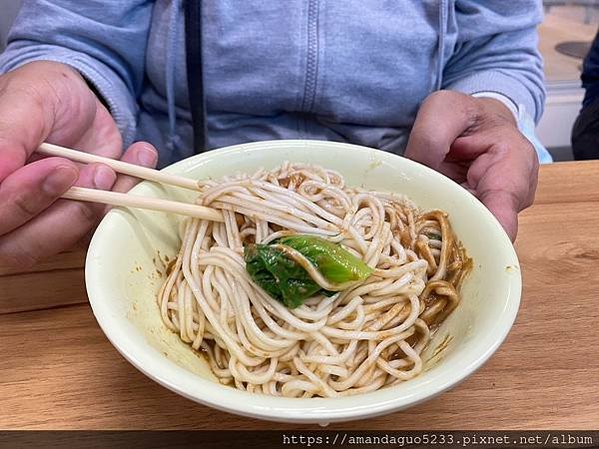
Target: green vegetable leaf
<point x="286" y="281"/>
<point x="282" y="278"/>
<point x="336" y="264"/>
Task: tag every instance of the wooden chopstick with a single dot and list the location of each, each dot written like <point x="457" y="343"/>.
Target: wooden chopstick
<point x="124" y="199"/>
<point x="142" y="202"/>
<point x="49" y="149"/>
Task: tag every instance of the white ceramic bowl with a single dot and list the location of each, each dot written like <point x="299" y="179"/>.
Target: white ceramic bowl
<point x="124" y="270"/>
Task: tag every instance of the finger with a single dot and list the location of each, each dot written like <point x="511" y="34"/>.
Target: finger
<point x="468" y="188"/>
<point x="504" y="206"/>
<point x="140" y="153"/>
<point x="60" y="226"/>
<point x="511" y="164"/>
<point x="31" y="189"/>
<point x="442" y="118"/>
<point x="504" y="179"/>
<point x="454" y="170"/>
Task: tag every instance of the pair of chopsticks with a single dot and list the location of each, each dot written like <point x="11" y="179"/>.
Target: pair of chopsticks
<point x="125" y="199"/>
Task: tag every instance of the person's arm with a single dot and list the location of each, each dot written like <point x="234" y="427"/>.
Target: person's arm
<point x="104" y="41"/>
<point x="472" y="137"/>
<point x="497" y="51"/>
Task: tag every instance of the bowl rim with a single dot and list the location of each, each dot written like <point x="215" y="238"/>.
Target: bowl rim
<point x="167" y="373"/>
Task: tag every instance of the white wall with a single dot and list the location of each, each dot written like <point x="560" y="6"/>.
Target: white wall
<point x="561" y="109"/>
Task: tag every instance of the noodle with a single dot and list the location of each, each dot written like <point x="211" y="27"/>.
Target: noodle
<point x="364" y="337"/>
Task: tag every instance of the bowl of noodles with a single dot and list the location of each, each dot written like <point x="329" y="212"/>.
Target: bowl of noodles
<point x="340" y="282"/>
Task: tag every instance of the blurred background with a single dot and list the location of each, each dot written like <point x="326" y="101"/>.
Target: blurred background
<point x="565" y="36"/>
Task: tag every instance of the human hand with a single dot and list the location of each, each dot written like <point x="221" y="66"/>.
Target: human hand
<point x="476" y="142"/>
<point x="47" y="101"/>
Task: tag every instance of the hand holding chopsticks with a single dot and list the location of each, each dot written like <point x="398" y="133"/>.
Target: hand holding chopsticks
<point x="124" y="199"/>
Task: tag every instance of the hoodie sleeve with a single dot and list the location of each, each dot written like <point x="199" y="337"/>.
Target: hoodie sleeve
<point x="497" y="51"/>
<point x="104" y="41"/>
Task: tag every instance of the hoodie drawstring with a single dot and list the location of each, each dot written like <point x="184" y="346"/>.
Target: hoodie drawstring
<point x="441" y="42"/>
<point x="195" y="77"/>
<point x="171" y="52"/>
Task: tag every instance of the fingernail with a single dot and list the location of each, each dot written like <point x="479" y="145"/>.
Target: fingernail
<point x="104" y="177"/>
<point x="59" y="179"/>
<point x="146" y="157"/>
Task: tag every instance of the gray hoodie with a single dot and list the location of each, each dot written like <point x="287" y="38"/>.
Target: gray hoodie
<point x="353" y="71"/>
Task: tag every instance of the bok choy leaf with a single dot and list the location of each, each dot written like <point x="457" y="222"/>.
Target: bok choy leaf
<point x="284" y="279"/>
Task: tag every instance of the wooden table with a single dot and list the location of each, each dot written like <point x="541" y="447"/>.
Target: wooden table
<point x="57" y="370"/>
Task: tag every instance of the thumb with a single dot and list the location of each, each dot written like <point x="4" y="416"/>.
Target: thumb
<point x="442" y="118"/>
